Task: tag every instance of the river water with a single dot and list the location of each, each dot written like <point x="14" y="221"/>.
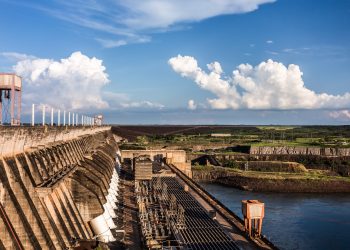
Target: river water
<point x="296" y="221"/>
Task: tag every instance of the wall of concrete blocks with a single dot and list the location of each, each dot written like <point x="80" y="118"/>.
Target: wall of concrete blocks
<point x="175" y="157"/>
<point x="53" y="183"/>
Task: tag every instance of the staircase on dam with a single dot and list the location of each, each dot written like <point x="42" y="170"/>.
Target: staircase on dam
<point x="58" y="187"/>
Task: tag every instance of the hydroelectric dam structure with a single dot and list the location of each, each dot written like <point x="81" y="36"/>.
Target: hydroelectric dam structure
<point x="58" y="186"/>
<point x="72" y="188"/>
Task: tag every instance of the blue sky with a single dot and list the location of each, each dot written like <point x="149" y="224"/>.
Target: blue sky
<point x="134" y="81"/>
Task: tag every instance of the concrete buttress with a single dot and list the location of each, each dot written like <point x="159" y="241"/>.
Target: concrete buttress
<point x="53" y="184"/>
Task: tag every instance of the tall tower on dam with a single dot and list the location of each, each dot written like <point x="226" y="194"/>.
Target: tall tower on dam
<point x="10" y="98"/>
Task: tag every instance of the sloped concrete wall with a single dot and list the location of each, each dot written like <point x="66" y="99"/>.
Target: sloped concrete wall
<point x="53" y="182"/>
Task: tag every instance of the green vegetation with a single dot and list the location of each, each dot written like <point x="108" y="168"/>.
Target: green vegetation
<point x="310" y="175"/>
<point x="323" y="175"/>
<point x="231" y="164"/>
<point x="131" y="146"/>
<point x="277" y="128"/>
<point x="202" y="168"/>
<point x="198" y="138"/>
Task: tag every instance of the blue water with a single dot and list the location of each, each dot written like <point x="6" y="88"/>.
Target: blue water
<point x="296" y="221"/>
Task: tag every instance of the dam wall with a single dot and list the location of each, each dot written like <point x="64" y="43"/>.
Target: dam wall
<point x="267" y="150"/>
<point x="55" y="183"/>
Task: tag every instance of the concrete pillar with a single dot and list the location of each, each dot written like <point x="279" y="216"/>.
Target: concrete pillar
<point x="51" y="116"/>
<point x="111" y="201"/>
<point x="33" y="114"/>
<point x="112" y="197"/>
<point x="71" y="214"/>
<point x="107" y="206"/>
<point x="101" y="229"/>
<point x="68" y="195"/>
<point x="59" y="118"/>
<point x="56" y="216"/>
<point x="109" y="220"/>
<point x="113" y="191"/>
<point x="43" y="115"/>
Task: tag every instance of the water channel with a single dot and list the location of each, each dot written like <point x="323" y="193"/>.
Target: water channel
<point x="294" y="220"/>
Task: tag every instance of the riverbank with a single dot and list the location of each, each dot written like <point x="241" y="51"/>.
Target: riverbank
<point x="314" y="181"/>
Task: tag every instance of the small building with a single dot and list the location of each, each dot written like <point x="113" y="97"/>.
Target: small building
<point x="98" y="120"/>
<point x="143" y="167"/>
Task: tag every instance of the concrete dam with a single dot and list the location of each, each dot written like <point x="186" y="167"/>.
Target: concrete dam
<point x="57" y="185"/>
<point x="72" y="188"/>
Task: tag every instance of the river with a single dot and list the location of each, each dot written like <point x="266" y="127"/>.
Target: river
<point x="294" y="220"/>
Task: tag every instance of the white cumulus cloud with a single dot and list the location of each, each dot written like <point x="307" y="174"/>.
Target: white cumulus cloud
<point x="269" y="85"/>
<point x="77" y="82"/>
<point x="340" y="114"/>
<point x="192" y="105"/>
<point x="74" y="82"/>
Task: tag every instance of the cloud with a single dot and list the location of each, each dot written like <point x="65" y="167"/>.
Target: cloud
<point x="191" y="105"/>
<point x="15" y="56"/>
<point x="269" y="85"/>
<point x="328" y="52"/>
<point x="107" y="43"/>
<point x="143" y="104"/>
<point x="165" y="13"/>
<point x="111" y="43"/>
<point x="272" y="52"/>
<point x="130" y="20"/>
<point x="74" y="82"/>
<point x="119" y="101"/>
<point x="340" y="114"/>
<point x="269" y="41"/>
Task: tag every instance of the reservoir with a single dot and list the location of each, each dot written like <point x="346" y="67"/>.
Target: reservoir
<point x="295" y="220"/>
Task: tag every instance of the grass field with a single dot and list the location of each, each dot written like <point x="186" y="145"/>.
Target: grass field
<point x="188" y="136"/>
<point x="277" y="128"/>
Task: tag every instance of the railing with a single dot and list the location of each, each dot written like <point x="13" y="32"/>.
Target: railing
<point x="68" y="118"/>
